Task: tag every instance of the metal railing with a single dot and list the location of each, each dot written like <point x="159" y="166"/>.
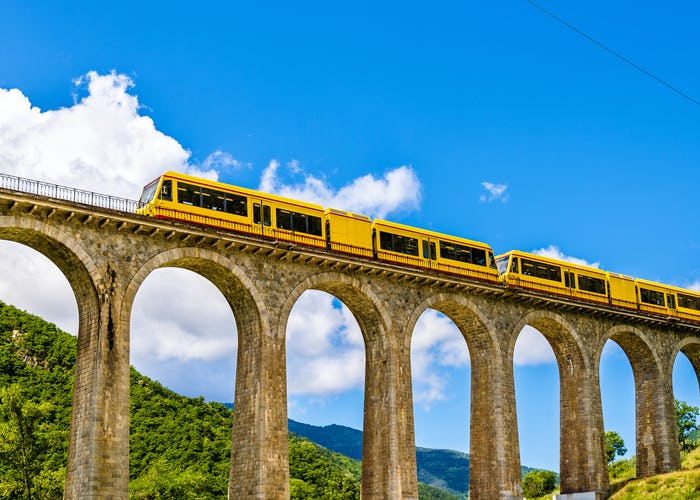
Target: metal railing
<point x="67" y="193"/>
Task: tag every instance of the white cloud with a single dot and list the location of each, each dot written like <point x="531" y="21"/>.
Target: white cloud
<point x="398" y="190"/>
<point x="178" y="314"/>
<point x="695" y="285"/>
<point x="100" y="143"/>
<point x="532" y="348"/>
<point x="553" y="252"/>
<point x="494" y="192"/>
<point x="437" y="346"/>
<point x="33" y="283"/>
<point x="325" y="348"/>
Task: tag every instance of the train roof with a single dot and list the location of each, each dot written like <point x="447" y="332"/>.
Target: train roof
<point x="232" y="187"/>
<point x="442" y="236"/>
<point x="550" y="260"/>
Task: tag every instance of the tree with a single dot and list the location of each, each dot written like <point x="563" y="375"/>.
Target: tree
<point x="614" y="445"/>
<point x="686" y="423"/>
<point x="538" y="483"/>
<point x="23" y="441"/>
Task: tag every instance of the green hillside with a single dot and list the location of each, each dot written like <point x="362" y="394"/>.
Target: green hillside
<point x="180" y="447"/>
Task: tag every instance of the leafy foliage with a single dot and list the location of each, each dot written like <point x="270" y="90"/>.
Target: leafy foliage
<point x="686" y="423"/>
<point x="179" y="447"/>
<point x="614" y="445"/>
<point x="538" y="483"/>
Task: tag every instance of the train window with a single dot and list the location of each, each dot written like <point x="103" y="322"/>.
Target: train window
<point x="398" y="243"/>
<point x="256" y="213"/>
<point x="237" y="205"/>
<point x="148" y="192"/>
<point x="213" y="199"/>
<point x="188" y="194"/>
<point x="588" y="284"/>
<point x="284" y="219"/>
<point x="429" y="250"/>
<point x="462" y="253"/>
<point x="301" y="223"/>
<point x="651" y="297"/>
<point x="492" y="261"/>
<point x="514" y="266"/>
<point x="166" y="192"/>
<point x="688" y="301"/>
<point x="267" y="217"/>
<point x="541" y="270"/>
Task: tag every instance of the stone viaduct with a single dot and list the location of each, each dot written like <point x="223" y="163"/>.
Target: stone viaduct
<point x="107" y="253"/>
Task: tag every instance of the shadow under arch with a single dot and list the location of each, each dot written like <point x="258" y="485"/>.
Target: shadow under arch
<point x="87" y="284"/>
<point x="582" y="463"/>
<point x="656" y="440"/>
<point x="252" y="431"/>
<point x="494" y="449"/>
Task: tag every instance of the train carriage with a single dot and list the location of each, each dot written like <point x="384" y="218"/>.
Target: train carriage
<point x="417" y="247"/>
<point x="668" y="300"/>
<point x="536" y="272"/>
<point x="201" y="201"/>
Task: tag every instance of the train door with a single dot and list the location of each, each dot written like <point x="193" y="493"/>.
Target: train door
<point x="429" y="253"/>
<point x="570" y="282"/>
<point x="671" y="304"/>
<point x="262" y="218"/>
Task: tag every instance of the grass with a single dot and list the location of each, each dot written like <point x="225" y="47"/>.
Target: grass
<point x="684" y="484"/>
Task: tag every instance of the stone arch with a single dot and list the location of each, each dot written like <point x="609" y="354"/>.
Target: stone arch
<point x="494" y="448"/>
<point x="239" y="290"/>
<point x="562" y="336"/>
<point x="466" y="315"/>
<point x="690" y="346"/>
<point x="656" y="440"/>
<point x="259" y="453"/>
<point x="582" y="453"/>
<point x="362" y="301"/>
<point x="387" y="468"/>
<point x="64" y="251"/>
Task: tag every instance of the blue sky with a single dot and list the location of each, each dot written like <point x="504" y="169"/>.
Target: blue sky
<point x="486" y="120"/>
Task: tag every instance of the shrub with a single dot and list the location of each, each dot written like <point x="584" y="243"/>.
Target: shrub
<point x="538" y="483"/>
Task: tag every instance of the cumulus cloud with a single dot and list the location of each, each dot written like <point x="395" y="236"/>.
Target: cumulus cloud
<point x="554" y="252"/>
<point x="494" y="192"/>
<point x="437" y="346"/>
<point x="179" y="315"/>
<point x="101" y="140"/>
<point x="398" y="190"/>
<point x="325" y="348"/>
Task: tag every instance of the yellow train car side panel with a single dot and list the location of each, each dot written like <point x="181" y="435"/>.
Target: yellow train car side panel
<point x="411" y="246"/>
<point x="536" y="272"/>
<point x="202" y="201"/>
<point x="348" y="232"/>
<point x="652" y="297"/>
<point x="622" y="290"/>
<point x="397" y="243"/>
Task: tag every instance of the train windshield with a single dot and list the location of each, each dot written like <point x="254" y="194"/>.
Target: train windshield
<point x="502" y="264"/>
<point x="148" y="192"/>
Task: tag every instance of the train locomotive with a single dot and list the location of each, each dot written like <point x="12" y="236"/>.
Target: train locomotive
<point x="191" y="199"/>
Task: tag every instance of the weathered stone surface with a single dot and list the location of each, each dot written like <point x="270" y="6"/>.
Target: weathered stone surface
<point x="106" y="256"/>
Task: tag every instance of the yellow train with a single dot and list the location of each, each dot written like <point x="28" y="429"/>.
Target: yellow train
<point x="195" y="200"/>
